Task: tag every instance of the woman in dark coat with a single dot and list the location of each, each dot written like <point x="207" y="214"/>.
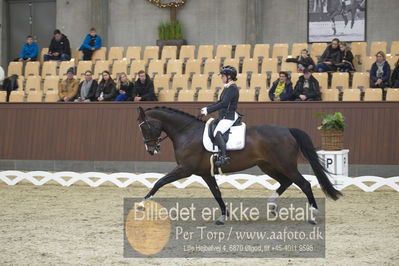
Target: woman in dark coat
<point x="380" y="72"/>
<point x="106" y="90"/>
<point x="346" y="64"/>
<point x="330" y="57"/>
<point x="124" y="88"/>
<point x="395" y="76"/>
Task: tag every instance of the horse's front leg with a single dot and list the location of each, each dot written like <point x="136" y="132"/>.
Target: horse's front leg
<point x="213" y="186"/>
<point x="178" y="173"/>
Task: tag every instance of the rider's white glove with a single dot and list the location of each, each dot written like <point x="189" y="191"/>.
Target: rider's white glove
<point x="204" y="111"/>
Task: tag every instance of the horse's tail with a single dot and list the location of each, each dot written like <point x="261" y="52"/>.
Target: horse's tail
<point x="309" y="152"/>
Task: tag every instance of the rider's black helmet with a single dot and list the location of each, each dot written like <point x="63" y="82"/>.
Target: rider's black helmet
<point x="229" y="71"/>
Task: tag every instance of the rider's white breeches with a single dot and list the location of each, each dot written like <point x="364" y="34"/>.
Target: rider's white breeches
<point x="225" y="124"/>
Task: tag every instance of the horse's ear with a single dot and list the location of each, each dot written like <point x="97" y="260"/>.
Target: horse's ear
<point x="141" y="113"/>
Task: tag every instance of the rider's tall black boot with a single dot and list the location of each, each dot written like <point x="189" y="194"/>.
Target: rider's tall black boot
<point x="222" y="159"/>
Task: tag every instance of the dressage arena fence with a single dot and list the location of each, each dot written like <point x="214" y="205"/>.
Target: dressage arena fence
<point x="239" y="181"/>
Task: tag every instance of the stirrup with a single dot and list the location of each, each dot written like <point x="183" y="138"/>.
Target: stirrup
<point x="222" y="160"/>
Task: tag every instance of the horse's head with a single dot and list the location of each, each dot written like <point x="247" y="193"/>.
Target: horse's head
<point x="151" y="131"/>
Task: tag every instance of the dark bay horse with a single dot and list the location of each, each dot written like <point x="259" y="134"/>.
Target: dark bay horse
<point x="274" y="149"/>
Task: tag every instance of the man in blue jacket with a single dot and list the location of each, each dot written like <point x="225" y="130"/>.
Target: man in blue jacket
<point x="91" y="43"/>
<point x="30" y="51"/>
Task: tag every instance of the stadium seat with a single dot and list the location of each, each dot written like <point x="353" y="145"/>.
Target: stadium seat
<point x="33" y="83"/>
<point x="78" y="55"/>
<point x="50" y="84"/>
<point x="263" y="95"/>
<point x="83" y="66"/>
<point x="393" y="95"/>
<point x="169" y="52"/>
<point x="166" y="96"/>
<point x="99" y="54"/>
<point x="212" y="66"/>
<point x="101" y="66"/>
<point x="372" y="95"/>
<point x="340" y="80"/>
<point x="119" y="66"/>
<point x="367" y="63"/>
<point x="258" y="81"/>
<point x="223" y="51"/>
<point x="269" y="65"/>
<point x="242" y="51"/>
<point x="17" y="97"/>
<point x="174" y="66"/>
<point x="280" y="50"/>
<point x="187" y="52"/>
<point x="199" y="81"/>
<point x="115" y="53"/>
<point x="294" y="78"/>
<point x="318" y="49"/>
<point x="193" y="66"/>
<point x="359" y="48"/>
<point x="136" y="66"/>
<point x="392" y="60"/>
<point x="247" y="95"/>
<point x="35" y="97"/>
<point x="288" y="66"/>
<point x="32" y="69"/>
<point x="322" y="78"/>
<point x="186" y="95"/>
<point x="156" y="67"/>
<point x="49" y="69"/>
<point x="205" y="52"/>
<point x="65" y="65"/>
<point x="51" y="97"/>
<point x="234" y="62"/>
<point x="297" y="48"/>
<point x="151" y="53"/>
<point x="14" y="68"/>
<point x="378" y="46"/>
<point x="351" y="95"/>
<point x="42" y="53"/>
<point x="250" y="66"/>
<point x="216" y="83"/>
<point x="361" y="80"/>
<point x="133" y="53"/>
<point x="330" y="95"/>
<point x="21" y="81"/>
<point x="206" y="96"/>
<point x="261" y="51"/>
<point x="3" y="96"/>
<point x="394" y="48"/>
<point x="242" y="81"/>
<point x="161" y="82"/>
<point x="180" y="82"/>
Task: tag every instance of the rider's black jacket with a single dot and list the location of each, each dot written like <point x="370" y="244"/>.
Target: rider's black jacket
<point x="227" y="105"/>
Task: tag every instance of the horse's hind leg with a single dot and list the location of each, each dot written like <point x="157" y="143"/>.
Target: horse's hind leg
<point x="213" y="186"/>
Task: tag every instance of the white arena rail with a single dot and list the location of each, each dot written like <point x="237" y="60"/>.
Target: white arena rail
<point x="239" y="181"/>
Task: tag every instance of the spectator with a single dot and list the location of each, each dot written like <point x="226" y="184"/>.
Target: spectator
<point x="106" y="90"/>
<point x="68" y="88"/>
<point x="91" y="43"/>
<point x="307" y="88"/>
<point x="59" y="48"/>
<point x="87" y="88"/>
<point x="2" y="76"/>
<point x="144" y="88"/>
<point x="281" y="89"/>
<point x="125" y="88"/>
<point x="330" y="57"/>
<point x="304" y="61"/>
<point x="346" y="64"/>
<point x="380" y="72"/>
<point x="395" y="76"/>
<point x="30" y="51"/>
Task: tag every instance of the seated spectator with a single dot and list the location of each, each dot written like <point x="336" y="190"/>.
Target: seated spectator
<point x="124" y="88"/>
<point x="91" y="43"/>
<point x="281" y="89"/>
<point x="59" y="48"/>
<point x="144" y="88"/>
<point x="68" y="88"/>
<point x="395" y="76"/>
<point x="87" y="88"/>
<point x="304" y="61"/>
<point x="380" y="72"/>
<point x="30" y="51"/>
<point x="307" y="88"/>
<point x="330" y="57"/>
<point x="346" y="63"/>
<point x="106" y="90"/>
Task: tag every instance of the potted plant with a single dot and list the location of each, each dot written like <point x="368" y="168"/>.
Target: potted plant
<point x="170" y="33"/>
<point x="332" y="131"/>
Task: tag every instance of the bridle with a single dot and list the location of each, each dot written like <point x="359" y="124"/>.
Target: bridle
<point x="156" y="140"/>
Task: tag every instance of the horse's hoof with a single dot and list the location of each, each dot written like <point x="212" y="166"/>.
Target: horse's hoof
<point x="312" y="222"/>
<point x="219" y="222"/>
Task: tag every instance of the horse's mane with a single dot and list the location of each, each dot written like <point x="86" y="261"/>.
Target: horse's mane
<point x="173" y="110"/>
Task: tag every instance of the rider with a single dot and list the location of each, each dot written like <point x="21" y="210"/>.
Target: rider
<point x="227" y="106"/>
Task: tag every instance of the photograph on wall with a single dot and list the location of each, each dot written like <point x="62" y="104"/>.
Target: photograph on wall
<point x="343" y="19"/>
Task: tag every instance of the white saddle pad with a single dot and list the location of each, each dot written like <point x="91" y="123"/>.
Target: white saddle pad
<point x="236" y="138"/>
